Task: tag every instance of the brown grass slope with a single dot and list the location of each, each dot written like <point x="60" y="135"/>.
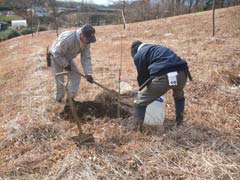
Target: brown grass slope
<point x="36" y="143"/>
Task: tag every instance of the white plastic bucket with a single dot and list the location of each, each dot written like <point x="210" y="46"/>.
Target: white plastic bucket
<point x="155" y="113"/>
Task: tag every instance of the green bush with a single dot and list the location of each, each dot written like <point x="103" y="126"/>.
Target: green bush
<point x="11" y="33"/>
<point x="26" y="31"/>
<point x="8" y="34"/>
<point x="29" y="30"/>
<point x="42" y="28"/>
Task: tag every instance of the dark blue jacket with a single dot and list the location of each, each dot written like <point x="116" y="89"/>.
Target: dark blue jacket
<point x="155" y="60"/>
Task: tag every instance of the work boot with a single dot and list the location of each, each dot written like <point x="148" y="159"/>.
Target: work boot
<point x="58" y="100"/>
<point x="179" y="107"/>
<point x="59" y="97"/>
<point x="139" y="114"/>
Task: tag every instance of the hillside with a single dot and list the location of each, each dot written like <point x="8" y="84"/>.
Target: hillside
<point x="37" y="143"/>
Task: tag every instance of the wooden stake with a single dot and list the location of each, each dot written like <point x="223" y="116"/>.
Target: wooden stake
<point x="213" y="18"/>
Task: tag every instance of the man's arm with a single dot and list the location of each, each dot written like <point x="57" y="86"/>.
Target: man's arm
<point x="142" y="69"/>
<point x="86" y="60"/>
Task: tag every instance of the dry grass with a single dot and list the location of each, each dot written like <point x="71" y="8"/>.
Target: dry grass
<point x="36" y="143"/>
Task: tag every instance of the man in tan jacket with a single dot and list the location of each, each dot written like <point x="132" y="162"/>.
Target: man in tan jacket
<point x="65" y="48"/>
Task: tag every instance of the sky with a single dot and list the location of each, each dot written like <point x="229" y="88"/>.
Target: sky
<point x="100" y="2"/>
<point x="104" y="2"/>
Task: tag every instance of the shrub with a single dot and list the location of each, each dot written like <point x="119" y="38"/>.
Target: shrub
<point x="27" y="31"/>
<point x="11" y="33"/>
<point x="42" y="28"/>
<point x="8" y="34"/>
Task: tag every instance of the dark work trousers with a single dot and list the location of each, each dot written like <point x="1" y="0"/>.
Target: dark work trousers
<point x="159" y="86"/>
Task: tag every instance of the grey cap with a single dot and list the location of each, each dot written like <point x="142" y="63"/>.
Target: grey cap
<point x="89" y="32"/>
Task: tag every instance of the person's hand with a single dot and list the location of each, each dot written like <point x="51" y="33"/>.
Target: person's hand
<point x="68" y="68"/>
<point x="89" y="78"/>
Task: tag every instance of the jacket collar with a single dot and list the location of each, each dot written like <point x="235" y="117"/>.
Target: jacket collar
<point x="141" y="46"/>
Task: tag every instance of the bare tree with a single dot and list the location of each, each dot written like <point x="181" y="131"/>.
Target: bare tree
<point x="30" y="13"/>
<point x="24" y="9"/>
<point x="178" y="3"/>
<point x="147" y="9"/>
<point x="190" y="4"/>
<point x="143" y="9"/>
<point x="221" y="3"/>
<point x="2" y="2"/>
<point x="21" y="7"/>
<point x="124" y="14"/>
<point x="196" y="5"/>
<point x="53" y="5"/>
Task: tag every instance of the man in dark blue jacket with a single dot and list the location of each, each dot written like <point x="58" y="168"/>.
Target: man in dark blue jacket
<point x="159" y="70"/>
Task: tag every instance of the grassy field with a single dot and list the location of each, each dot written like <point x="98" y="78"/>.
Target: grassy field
<point x="37" y="143"/>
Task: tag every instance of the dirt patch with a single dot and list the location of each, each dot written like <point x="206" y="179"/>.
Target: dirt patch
<point x="37" y="144"/>
<point x="104" y="105"/>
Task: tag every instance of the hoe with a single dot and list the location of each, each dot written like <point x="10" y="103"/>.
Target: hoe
<point x="81" y="137"/>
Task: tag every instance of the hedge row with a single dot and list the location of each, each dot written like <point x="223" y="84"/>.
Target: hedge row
<point x="8" y="34"/>
<point x="11" y="33"/>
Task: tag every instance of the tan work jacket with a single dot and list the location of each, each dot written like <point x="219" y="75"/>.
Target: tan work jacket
<point x="67" y="46"/>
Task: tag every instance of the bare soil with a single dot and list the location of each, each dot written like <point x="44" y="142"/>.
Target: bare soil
<point x="104" y="105"/>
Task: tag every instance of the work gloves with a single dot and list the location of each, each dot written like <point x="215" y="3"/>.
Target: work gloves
<point x="68" y="68"/>
<point x="89" y="78"/>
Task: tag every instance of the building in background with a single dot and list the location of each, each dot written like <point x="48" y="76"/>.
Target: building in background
<point x="3" y="26"/>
